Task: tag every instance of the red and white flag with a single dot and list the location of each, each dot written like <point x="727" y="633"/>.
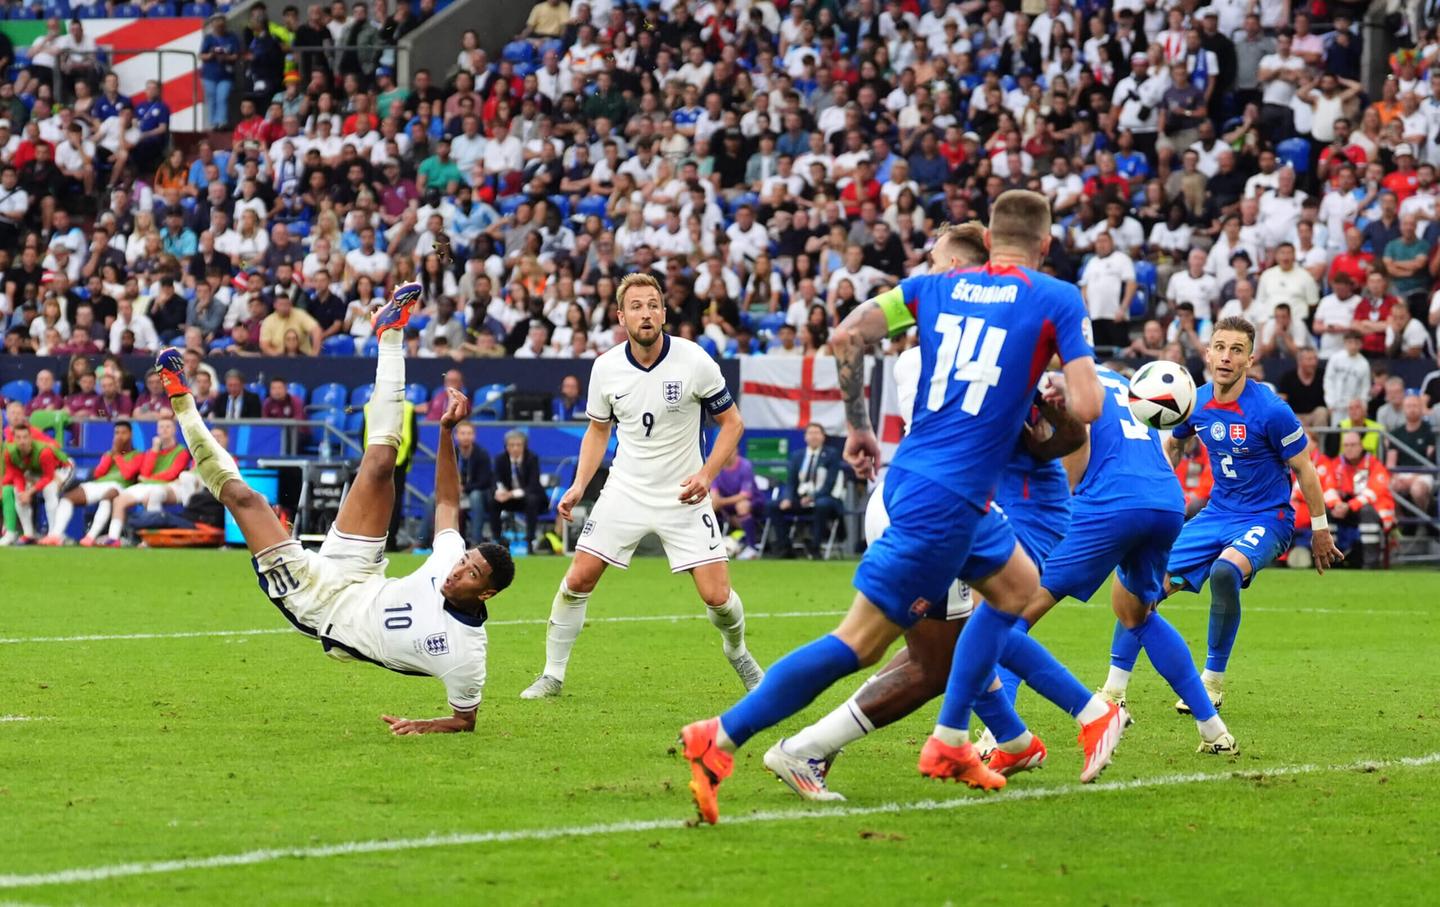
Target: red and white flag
<point x="784" y="392"/>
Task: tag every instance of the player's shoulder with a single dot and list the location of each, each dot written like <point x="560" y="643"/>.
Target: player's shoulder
<point x="1267" y="400"/>
<point x="686" y="353"/>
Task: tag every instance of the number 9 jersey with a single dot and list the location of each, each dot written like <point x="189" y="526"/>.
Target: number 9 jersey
<point x="986" y="335"/>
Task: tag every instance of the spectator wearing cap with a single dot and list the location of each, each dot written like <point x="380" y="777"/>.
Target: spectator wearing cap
<point x="1403" y="181"/>
<point x="176" y="238"/>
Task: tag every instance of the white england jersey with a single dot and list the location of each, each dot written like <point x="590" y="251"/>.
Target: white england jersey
<point x="656" y="412"/>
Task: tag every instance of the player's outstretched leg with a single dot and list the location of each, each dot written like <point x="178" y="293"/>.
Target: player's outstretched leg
<point x="727" y="614"/>
<point x="217" y="469"/>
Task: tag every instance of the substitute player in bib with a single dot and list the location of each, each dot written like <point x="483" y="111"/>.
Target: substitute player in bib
<point x="1253" y="440"/>
<point x="430" y="623"/>
<point x="985" y="336"/>
<point x="1129" y="508"/>
<point x="652" y="387"/>
<point x="164" y="479"/>
<point x="117" y="470"/>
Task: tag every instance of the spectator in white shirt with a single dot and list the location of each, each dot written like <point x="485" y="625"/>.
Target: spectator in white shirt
<point x="862" y="277"/>
<point x="504" y="153"/>
<point x="1107" y="286"/>
<point x="1194" y="286"/>
<point x="1281" y="335"/>
<point x="127" y="319"/>
<point x="1347" y="375"/>
<point x="1335" y="314"/>
<point x="1287" y="282"/>
<point x="1406" y="337"/>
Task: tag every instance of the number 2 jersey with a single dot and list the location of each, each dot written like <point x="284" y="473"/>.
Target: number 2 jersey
<point x="656" y="411"/>
<point x="1250" y="442"/>
<point x="986" y="335"/>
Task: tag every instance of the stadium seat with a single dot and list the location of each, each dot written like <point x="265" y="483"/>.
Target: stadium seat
<point x="355" y="422"/>
<point x="1296" y="153"/>
<point x="20" y="390"/>
<point x="299" y="229"/>
<point x="1146" y="276"/>
<point x="361" y="395"/>
<point x="417" y="394"/>
<point x="298" y="391"/>
<point x="332" y="395"/>
<point x="161" y="11"/>
<point x="338" y="345"/>
<point x="1139" y="303"/>
<point x="708" y="345"/>
<point x="198" y="10"/>
<point x="417" y="322"/>
<point x="511" y="204"/>
<point x="257" y="388"/>
<point x="488" y="403"/>
<point x="371" y="347"/>
<point x="771" y="323"/>
<point x="223" y="343"/>
<point x="518" y="52"/>
<point x="126" y="11"/>
<point x="52" y="422"/>
<point x="591" y="205"/>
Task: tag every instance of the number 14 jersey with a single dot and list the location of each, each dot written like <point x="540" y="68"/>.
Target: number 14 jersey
<point x="986" y="334"/>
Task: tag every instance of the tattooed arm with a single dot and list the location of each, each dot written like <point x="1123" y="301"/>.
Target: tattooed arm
<point x="870" y="322"/>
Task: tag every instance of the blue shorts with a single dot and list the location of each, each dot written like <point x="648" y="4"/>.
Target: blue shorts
<point x="1039" y="526"/>
<point x="934" y="536"/>
<point x="1137" y="542"/>
<point x="1260" y="537"/>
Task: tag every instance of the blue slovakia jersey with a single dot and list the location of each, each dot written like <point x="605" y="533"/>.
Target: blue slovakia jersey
<point x="1028" y="479"/>
<point x="986" y="334"/>
<point x="1127" y="463"/>
<point x="1250" y="442"/>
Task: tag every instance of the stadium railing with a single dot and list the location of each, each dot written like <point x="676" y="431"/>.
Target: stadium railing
<point x="1422" y="546"/>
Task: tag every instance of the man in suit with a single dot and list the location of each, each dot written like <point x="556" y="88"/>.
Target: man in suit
<point x="238" y="403"/>
<point x="813" y="472"/>
<point x="517" y="485"/>
<point x="477" y="479"/>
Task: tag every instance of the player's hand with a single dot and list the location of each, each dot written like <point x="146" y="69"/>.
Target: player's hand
<point x="1052" y="389"/>
<point x="566" y="507"/>
<point x="405" y="727"/>
<point x="694" y="489"/>
<point x="457" y="408"/>
<point x="862" y="452"/>
<point x="1323" y="550"/>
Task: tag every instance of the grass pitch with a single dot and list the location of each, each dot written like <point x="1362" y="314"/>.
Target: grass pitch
<point x="249" y="768"/>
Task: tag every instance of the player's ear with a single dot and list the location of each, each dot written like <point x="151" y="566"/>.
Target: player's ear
<point x="987" y="239"/>
<point x="1045" y="245"/>
<point x="486" y="595"/>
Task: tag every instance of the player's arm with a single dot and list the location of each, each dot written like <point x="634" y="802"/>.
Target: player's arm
<point x="694" y="488"/>
<point x="871" y="321"/>
<point x="1174" y="449"/>
<point x="592" y="453"/>
<point x="447" y="474"/>
<point x="177" y="466"/>
<point x="1322" y="543"/>
<point x="1066" y="435"/>
<point x="460" y="721"/>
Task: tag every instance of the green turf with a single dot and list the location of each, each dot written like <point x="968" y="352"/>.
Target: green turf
<point x="158" y="749"/>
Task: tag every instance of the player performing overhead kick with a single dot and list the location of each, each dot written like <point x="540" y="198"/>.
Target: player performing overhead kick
<point x="985" y="335"/>
<point x="430" y="623"/>
<point x="652" y="387"/>
<point x="1253" y="440"/>
<point x="1035" y="496"/>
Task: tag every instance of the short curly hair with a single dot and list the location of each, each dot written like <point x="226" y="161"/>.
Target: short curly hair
<point x="502" y="565"/>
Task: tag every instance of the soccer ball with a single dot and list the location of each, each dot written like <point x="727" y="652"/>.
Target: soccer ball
<point x="1162" y="394"/>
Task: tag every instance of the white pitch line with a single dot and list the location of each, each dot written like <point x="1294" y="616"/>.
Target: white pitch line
<point x="254" y="857"/>
<point x="7" y="718"/>
<point x="653" y="618"/>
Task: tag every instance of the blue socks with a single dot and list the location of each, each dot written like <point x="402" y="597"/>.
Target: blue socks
<point x="1171" y="658"/>
<point x="976" y="654"/>
<point x="1225" y="582"/>
<point x="1124" y="648"/>
<point x="1009" y="680"/>
<point x="1034" y="664"/>
<point x="995" y="709"/>
<point x="790" y="684"/>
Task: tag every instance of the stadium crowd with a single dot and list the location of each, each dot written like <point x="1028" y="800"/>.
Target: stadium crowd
<point x="772" y="165"/>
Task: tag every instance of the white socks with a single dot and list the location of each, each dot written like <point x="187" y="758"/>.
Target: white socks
<point x="385" y="411"/>
<point x="1118" y="680"/>
<point x="213" y="463"/>
<point x="64" y="510"/>
<point x="1211" y="728"/>
<point x="729" y="619"/>
<point x="1094" y="710"/>
<point x="26" y="513"/>
<point x="102" y="519"/>
<point x="841" y="727"/>
<point x="1212" y="678"/>
<point x="1016" y="746"/>
<point x="567" y="617"/>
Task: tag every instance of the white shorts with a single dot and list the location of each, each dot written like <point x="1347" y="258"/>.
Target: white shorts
<point x="621" y="518"/>
<point x="318" y="589"/>
<point x="155" y="497"/>
<point x="95" y="492"/>
<point x="958" y="601"/>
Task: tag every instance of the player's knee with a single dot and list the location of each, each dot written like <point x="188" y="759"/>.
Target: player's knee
<point x="1226" y="575"/>
<point x="742" y="508"/>
<point x="716" y="596"/>
<point x="581" y="582"/>
<point x="239" y="496"/>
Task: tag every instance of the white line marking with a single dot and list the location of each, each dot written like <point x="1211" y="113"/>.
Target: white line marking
<point x="5" y="718"/>
<point x="660" y="618"/>
<point x="253" y="857"/>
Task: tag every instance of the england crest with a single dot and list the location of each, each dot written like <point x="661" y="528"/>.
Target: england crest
<point x="438" y="644"/>
<point x="673" y="390"/>
<point x="1237" y="433"/>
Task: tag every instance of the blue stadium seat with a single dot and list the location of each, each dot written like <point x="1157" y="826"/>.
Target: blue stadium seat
<point x="1146" y="276"/>
<point x="338" y="345"/>
<point x="518" y="52"/>
<point x="161" y="11"/>
<point x="772" y="322"/>
<point x="417" y="394"/>
<point x="1296" y="153"/>
<point x="224" y="343"/>
<point x="361" y="395"/>
<point x="355" y="423"/>
<point x="488" y="403"/>
<point x="371" y="347"/>
<point x="591" y="205"/>
<point x="708" y="346"/>
<point x="511" y="203"/>
<point x="299" y="229"/>
<point x="20" y="390"/>
<point x="417" y="322"/>
<point x="331" y="395"/>
<point x="198" y="10"/>
<point x="560" y="202"/>
<point x="298" y="391"/>
<point x="257" y="388"/>
<point x="1139" y="303"/>
<point x="126" y="11"/>
<point x="554" y="44"/>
